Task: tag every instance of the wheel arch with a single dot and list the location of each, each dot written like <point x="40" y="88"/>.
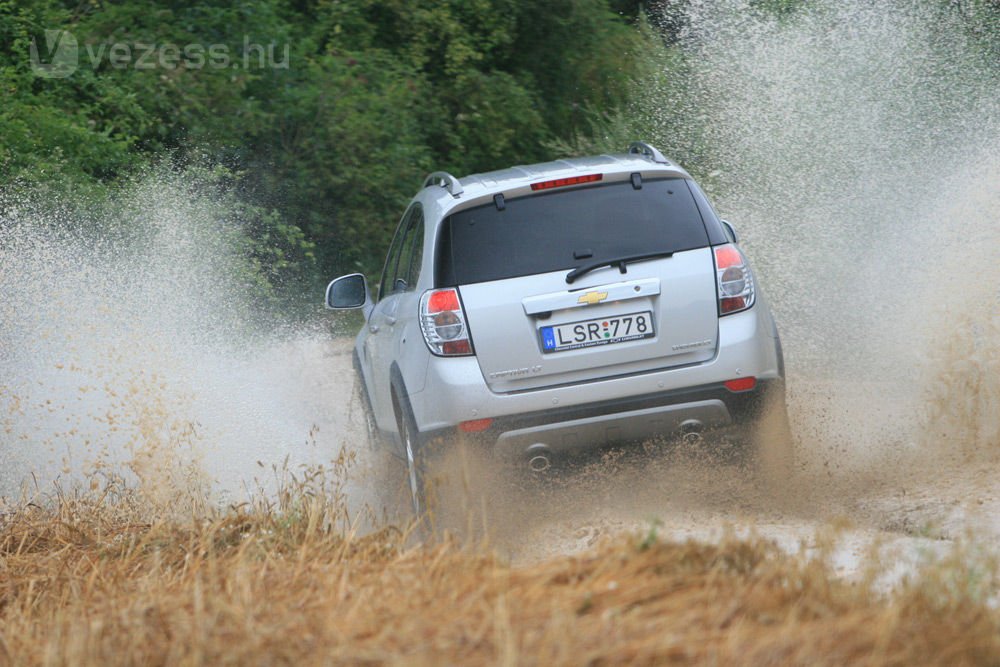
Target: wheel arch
<point x="401" y="407"/>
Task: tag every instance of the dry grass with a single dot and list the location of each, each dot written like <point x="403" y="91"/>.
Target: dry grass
<point x="94" y="580"/>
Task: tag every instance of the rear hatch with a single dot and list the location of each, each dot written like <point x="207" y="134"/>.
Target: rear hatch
<point x="531" y="328"/>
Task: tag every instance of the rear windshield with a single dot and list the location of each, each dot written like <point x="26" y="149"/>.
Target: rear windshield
<point x="563" y="230"/>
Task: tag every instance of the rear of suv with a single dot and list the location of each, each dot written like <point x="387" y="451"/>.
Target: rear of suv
<point x="563" y="306"/>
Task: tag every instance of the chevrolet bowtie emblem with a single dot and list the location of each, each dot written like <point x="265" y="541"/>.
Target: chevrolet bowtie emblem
<point x="590" y="298"/>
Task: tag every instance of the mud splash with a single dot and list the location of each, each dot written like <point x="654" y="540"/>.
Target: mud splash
<point x="855" y="148"/>
<point x="962" y="374"/>
<point x="133" y="346"/>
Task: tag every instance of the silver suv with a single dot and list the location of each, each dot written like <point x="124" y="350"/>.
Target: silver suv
<point x="561" y="306"/>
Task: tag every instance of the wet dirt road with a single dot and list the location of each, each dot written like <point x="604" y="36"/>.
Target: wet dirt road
<point x="870" y="489"/>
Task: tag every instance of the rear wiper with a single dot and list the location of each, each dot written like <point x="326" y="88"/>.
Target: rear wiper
<point x="620" y="262"/>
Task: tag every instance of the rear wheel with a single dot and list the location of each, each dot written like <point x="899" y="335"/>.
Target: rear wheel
<point x="409" y="437"/>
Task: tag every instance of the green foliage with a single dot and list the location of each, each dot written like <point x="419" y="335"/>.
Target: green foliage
<point x="48" y="131"/>
<point x="329" y="111"/>
<point x="982" y="21"/>
<point x="344" y="150"/>
<point x="387" y="91"/>
<point x="326" y="114"/>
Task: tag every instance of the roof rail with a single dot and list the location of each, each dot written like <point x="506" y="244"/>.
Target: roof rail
<point x="445" y="180"/>
<point x="642" y="148"/>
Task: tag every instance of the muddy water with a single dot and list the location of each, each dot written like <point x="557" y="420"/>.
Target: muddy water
<point x="133" y="347"/>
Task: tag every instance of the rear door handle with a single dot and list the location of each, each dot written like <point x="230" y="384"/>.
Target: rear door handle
<point x="390" y="320"/>
<point x="373" y="328"/>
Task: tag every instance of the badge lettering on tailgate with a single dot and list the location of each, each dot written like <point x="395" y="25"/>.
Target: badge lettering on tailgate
<point x="515" y="372"/>
<point x="688" y="346"/>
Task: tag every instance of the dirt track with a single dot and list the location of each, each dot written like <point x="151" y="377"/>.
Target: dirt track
<point x="867" y="482"/>
<point x="865" y="471"/>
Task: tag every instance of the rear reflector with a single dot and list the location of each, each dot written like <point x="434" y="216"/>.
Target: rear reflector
<point x="454" y="348"/>
<point x="475" y="425"/>
<point x="732" y="304"/>
<point x="569" y="180"/>
<point x="741" y="384"/>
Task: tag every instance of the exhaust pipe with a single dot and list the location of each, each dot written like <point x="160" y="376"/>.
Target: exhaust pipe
<point x="692" y="439"/>
<point x="539" y="457"/>
<point x="691" y="432"/>
<point x="539" y="463"/>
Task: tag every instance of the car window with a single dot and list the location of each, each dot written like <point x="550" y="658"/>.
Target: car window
<point x="716" y="231"/>
<point x="392" y="259"/>
<point x="399" y="276"/>
<point x="413" y="275"/>
<point x="399" y="283"/>
<point x="564" y="230"/>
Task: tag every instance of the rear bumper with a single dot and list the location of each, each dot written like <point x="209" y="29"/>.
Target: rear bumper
<point x="665" y="414"/>
<point x="453" y="389"/>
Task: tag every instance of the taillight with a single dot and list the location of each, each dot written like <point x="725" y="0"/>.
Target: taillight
<point x="736" y="291"/>
<point x="442" y="322"/>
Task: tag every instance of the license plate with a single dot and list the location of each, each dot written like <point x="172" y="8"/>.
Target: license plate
<point x="598" y="331"/>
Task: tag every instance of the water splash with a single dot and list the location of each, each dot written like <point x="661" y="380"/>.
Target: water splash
<point x="133" y="345"/>
<point x="856" y="148"/>
<point x="962" y="372"/>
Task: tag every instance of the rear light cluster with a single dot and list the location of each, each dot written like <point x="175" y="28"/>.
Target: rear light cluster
<point x="443" y="323"/>
<point x="736" y="289"/>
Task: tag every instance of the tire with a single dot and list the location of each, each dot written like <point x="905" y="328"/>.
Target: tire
<point x="374" y="438"/>
<point x="409" y="437"/>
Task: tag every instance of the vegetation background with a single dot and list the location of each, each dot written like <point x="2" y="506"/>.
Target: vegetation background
<point x="316" y="152"/>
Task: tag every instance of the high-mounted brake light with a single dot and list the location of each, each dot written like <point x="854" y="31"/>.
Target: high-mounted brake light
<point x="569" y="180"/>
<point x="735" y="282"/>
<point x="442" y="322"/>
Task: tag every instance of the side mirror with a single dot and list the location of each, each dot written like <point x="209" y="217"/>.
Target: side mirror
<point x="346" y="292"/>
<point x="730" y="231"/>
